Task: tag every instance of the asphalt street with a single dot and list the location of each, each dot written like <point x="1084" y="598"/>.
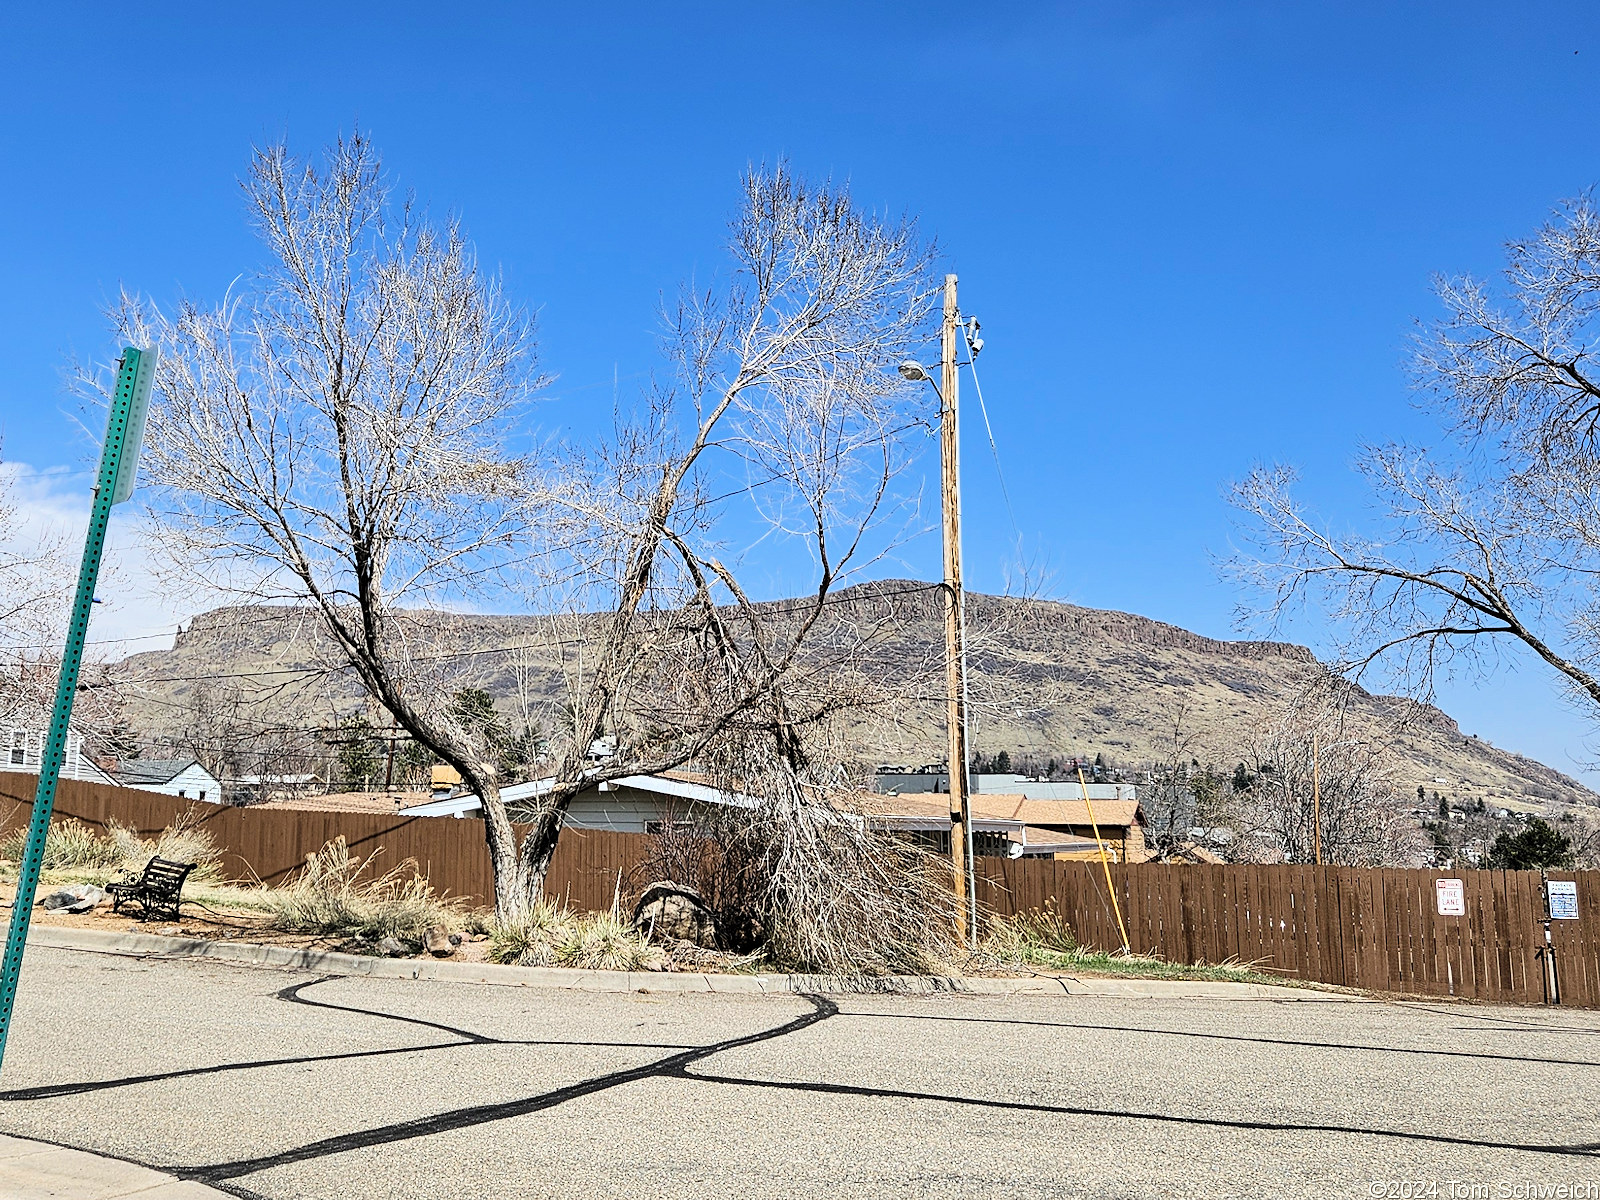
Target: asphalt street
<point x="281" y="1084"/>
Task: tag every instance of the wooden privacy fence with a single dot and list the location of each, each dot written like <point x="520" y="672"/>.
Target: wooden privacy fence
<point x="1366" y="928"/>
<point x="271" y="843"/>
<point x="1374" y="929"/>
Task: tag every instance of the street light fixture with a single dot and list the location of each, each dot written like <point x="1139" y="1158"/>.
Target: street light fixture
<point x="915" y="372"/>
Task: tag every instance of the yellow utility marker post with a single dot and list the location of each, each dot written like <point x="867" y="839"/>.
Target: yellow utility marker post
<point x="1105" y="865"/>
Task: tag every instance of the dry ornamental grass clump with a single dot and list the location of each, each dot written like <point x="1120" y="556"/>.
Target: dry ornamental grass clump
<point x="330" y="896"/>
<point x="183" y="841"/>
<point x="550" y="935"/>
<point x="70" y="845"/>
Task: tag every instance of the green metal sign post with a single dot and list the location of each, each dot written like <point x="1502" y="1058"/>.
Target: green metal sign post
<point x="119" y="464"/>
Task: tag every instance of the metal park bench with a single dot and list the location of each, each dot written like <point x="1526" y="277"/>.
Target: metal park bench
<point x="157" y="891"/>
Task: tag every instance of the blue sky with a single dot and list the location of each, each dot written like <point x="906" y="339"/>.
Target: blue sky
<point x="1196" y="235"/>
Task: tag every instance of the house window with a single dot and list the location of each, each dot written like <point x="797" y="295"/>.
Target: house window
<point x="180" y="794"/>
<point x="202" y="793"/>
<point x="19" y="747"/>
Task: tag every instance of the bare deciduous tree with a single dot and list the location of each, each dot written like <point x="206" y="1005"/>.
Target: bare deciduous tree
<point x="334" y="434"/>
<point x="36" y="585"/>
<point x="783" y="399"/>
<point x="1494" y="537"/>
<point x="35" y="578"/>
<point x="1306" y="750"/>
<point x="1180" y="797"/>
<point x="219" y="726"/>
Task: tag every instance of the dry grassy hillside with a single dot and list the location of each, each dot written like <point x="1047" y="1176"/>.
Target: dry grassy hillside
<point x="1051" y="679"/>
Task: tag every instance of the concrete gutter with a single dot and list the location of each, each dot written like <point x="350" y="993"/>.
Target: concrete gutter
<point x="329" y="962"/>
<point x="36" y="1170"/>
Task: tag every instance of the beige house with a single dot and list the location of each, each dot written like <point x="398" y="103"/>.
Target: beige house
<point x="1028" y="828"/>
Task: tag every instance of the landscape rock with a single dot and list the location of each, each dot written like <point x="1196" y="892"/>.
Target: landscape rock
<point x="670" y="911"/>
<point x="456" y="939"/>
<point x="393" y="947"/>
<point x="79" y="897"/>
<point x="438" y="942"/>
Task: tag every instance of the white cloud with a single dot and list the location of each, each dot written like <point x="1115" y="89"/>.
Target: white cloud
<point x="135" y="611"/>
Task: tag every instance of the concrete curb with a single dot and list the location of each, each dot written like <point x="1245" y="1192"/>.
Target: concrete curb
<point x="36" y="1170"/>
<point x="329" y="962"/>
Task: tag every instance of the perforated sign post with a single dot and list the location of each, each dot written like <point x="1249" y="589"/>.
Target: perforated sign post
<point x="119" y="464"/>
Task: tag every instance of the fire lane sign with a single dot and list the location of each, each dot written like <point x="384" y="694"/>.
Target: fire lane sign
<point x="1452" y="897"/>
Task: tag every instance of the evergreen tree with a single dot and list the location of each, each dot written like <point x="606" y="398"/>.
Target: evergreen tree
<point x="360" y="755"/>
<point x="1536" y="845"/>
<point x="1002" y="763"/>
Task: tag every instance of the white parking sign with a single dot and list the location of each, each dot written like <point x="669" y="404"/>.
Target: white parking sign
<point x="1563" y="899"/>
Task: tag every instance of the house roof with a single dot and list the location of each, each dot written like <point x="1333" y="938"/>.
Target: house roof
<point x="134" y="771"/>
<point x="678" y="784"/>
<point x="361" y="802"/>
<point x="987" y="807"/>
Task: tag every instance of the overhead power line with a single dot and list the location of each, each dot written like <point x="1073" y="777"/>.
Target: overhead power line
<point x="972" y="365"/>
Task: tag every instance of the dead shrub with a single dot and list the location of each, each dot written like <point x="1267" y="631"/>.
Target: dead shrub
<point x="800" y="877"/>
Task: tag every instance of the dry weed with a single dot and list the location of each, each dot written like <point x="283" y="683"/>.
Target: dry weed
<point x="330" y="896"/>
<point x="549" y="934"/>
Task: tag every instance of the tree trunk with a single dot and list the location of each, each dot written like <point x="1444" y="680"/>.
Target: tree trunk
<point x="539" y="841"/>
<point x="514" y="895"/>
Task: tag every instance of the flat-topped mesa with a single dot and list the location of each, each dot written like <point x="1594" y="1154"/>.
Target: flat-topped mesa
<point x="239" y="625"/>
<point x="914" y="599"/>
<point x="1059" y="679"/>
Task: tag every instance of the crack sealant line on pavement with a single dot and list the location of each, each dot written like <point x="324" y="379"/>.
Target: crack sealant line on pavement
<point x="1581" y="1150"/>
<point x="222" y="1175"/>
<point x="1524" y="1026"/>
<point x="292" y="994"/>
<point x="1516" y="1059"/>
<point x="462" y="1118"/>
<point x="232" y="1189"/>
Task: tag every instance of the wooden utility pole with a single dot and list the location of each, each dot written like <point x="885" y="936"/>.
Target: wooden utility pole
<point x="388" y="769"/>
<point x="955" y="623"/>
<point x="1316" y="799"/>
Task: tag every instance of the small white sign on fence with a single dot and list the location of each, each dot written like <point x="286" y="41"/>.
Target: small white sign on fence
<point x="1452" y="898"/>
<point x="1563" y="899"/>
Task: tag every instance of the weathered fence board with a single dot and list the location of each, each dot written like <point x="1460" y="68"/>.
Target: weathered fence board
<point x="1377" y="929"/>
<point x="270" y="844"/>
